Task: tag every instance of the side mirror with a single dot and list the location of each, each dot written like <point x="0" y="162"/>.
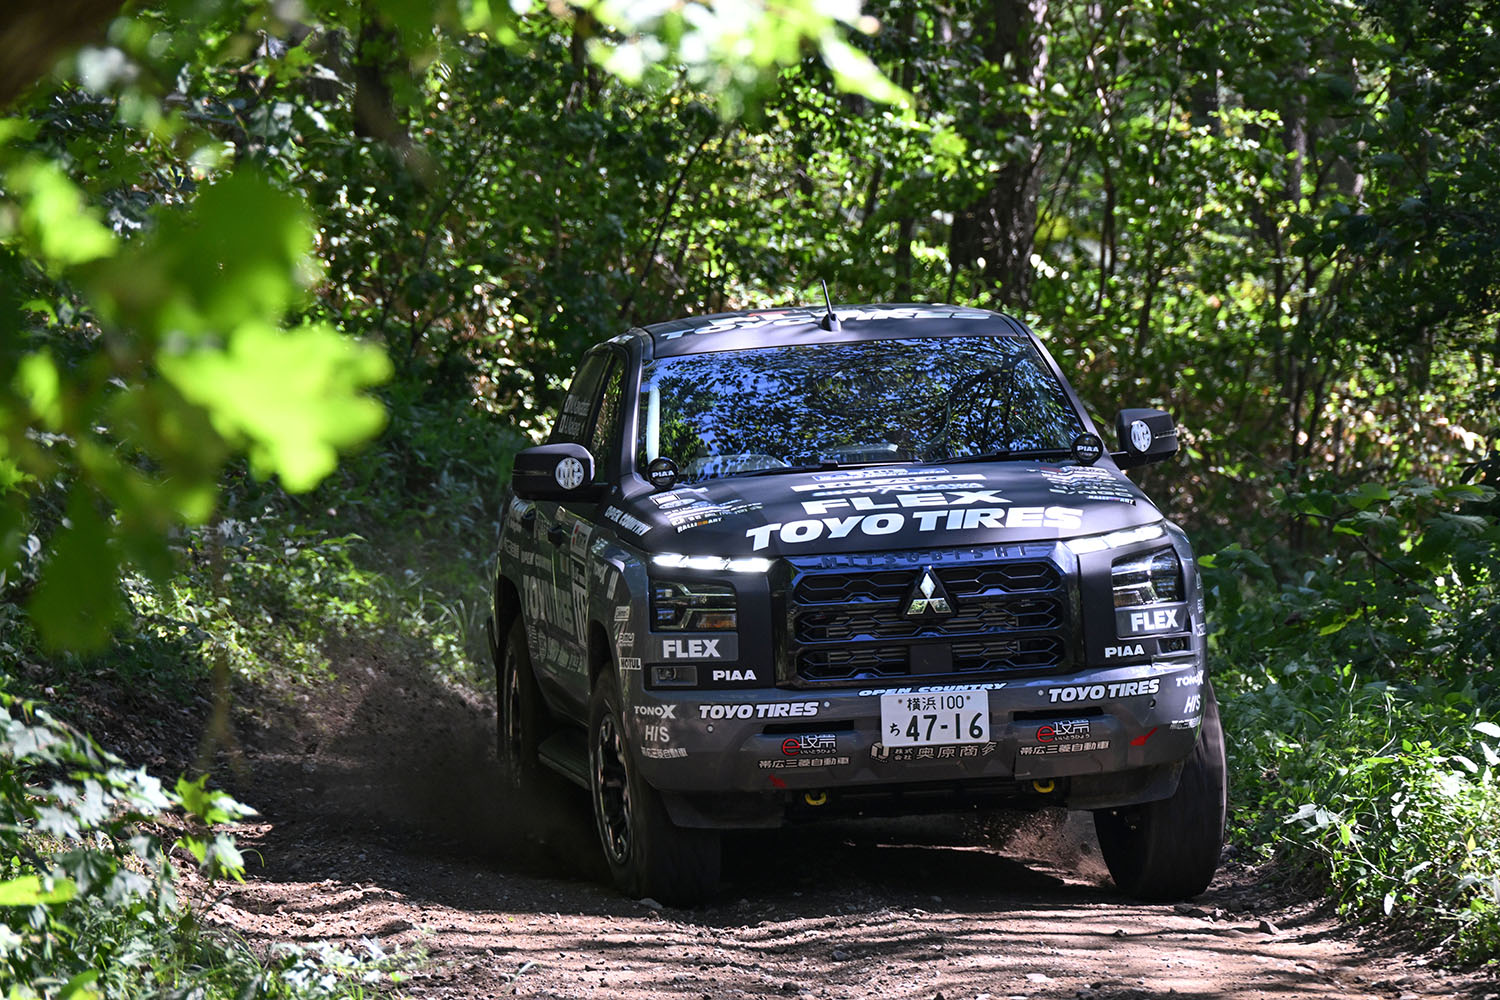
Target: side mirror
<point x="1145" y="436"/>
<point x="558" y="472"/>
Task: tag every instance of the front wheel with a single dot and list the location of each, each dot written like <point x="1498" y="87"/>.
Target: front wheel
<point x="647" y="854"/>
<point x="1169" y="850"/>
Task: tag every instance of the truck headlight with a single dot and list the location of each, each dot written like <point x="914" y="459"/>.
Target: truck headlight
<point x="1150" y="578"/>
<point x="691" y="606"/>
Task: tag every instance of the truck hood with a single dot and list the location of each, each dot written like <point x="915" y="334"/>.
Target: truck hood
<point x="884" y="508"/>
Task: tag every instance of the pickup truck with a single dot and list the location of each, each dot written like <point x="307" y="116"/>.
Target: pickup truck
<point x="782" y="565"/>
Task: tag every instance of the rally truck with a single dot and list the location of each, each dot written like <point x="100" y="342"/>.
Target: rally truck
<point x="799" y="563"/>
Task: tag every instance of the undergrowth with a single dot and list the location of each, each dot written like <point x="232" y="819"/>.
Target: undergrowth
<point x="1363" y="706"/>
<point x="88" y="890"/>
<point x="394" y="551"/>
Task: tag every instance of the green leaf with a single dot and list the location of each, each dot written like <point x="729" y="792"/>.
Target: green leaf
<point x="80" y="987"/>
<point x="55" y="219"/>
<point x="241" y="252"/>
<point x="293" y="398"/>
<point x="1366" y="494"/>
<point x="78" y="600"/>
<point x="27" y="891"/>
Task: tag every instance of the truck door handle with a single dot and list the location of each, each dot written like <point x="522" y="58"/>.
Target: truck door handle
<point x="557" y="534"/>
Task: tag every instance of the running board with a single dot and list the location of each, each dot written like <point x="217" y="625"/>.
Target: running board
<point x="567" y="754"/>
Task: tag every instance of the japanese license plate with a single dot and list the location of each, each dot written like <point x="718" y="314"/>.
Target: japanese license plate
<point x="919" y="720"/>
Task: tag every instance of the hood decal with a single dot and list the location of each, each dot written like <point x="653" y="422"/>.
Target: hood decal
<point x="885" y="507"/>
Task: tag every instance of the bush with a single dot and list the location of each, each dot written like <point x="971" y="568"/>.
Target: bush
<point x="88" y="900"/>
<point x="1363" y="705"/>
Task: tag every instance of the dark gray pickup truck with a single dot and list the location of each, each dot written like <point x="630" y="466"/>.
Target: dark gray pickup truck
<point x="783" y="565"/>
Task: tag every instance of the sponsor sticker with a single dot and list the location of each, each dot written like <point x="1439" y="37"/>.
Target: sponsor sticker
<point x="932" y="689"/>
<point x="1065" y="730"/>
<point x="629" y="522"/>
<point x="1149" y="620"/>
<point x="906" y="755"/>
<point x="1098" y="692"/>
<point x="700" y="647"/>
<point x="1048" y="749"/>
<point x="744" y="710"/>
<point x="782" y="763"/>
<point x="799" y="746"/>
<point x="888" y="523"/>
<point x="663" y="753"/>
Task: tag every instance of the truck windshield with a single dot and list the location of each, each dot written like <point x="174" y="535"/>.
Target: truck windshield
<point x="934" y="399"/>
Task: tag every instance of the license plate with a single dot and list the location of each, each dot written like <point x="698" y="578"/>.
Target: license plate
<point x="919" y="720"/>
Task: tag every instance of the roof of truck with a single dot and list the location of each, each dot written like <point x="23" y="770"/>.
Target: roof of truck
<point x="733" y="331"/>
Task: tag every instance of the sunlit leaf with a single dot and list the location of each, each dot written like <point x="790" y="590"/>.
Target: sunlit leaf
<point x="28" y="890"/>
<point x="293" y="397"/>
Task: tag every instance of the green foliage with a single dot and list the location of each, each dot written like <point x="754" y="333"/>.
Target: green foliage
<point x="1365" y="704"/>
<point x="88" y="900"/>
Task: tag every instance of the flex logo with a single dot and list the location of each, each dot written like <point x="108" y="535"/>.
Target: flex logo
<point x="928" y="599"/>
<point x="690" y="649"/>
<point x="1149" y="620"/>
<point x="699" y="647"/>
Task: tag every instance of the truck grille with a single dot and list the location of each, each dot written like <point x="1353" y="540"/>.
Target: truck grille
<point x="1012" y="613"/>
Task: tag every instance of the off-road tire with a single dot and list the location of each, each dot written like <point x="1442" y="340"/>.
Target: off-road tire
<point x="521" y="717"/>
<point x="648" y="855"/>
<point x="1169" y="850"/>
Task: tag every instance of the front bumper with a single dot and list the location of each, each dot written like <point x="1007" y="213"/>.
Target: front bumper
<point x="1094" y="738"/>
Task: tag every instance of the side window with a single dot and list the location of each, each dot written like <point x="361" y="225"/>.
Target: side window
<point x="605" y="442"/>
<point x="572" y="425"/>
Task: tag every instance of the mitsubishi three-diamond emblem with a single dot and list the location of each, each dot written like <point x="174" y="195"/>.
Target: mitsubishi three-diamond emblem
<point x="928" y="599"/>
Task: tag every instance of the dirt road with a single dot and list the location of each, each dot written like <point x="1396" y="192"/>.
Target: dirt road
<point x="379" y="823"/>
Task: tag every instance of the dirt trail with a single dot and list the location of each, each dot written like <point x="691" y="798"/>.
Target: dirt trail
<point x="377" y="823"/>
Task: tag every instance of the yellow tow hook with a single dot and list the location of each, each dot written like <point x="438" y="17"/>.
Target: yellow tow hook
<point x="1044" y="786"/>
<point x="815" y="799"/>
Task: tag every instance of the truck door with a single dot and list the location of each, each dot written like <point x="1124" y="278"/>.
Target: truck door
<point x="591" y="417"/>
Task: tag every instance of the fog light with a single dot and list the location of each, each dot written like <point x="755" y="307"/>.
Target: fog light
<point x="672" y="675"/>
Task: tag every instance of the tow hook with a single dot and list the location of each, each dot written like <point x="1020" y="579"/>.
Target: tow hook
<point x="1043" y="785"/>
<point x="815" y="798"/>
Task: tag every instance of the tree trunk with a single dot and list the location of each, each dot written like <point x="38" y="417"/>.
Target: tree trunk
<point x="999" y="227"/>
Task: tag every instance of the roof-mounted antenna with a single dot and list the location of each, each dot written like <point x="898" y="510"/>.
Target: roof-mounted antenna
<point x="829" y="321"/>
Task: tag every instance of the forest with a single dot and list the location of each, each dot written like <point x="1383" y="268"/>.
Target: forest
<point x="284" y="286"/>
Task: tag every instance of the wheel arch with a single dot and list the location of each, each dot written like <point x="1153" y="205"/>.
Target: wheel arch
<point x="600" y="652"/>
<point x="506" y="611"/>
